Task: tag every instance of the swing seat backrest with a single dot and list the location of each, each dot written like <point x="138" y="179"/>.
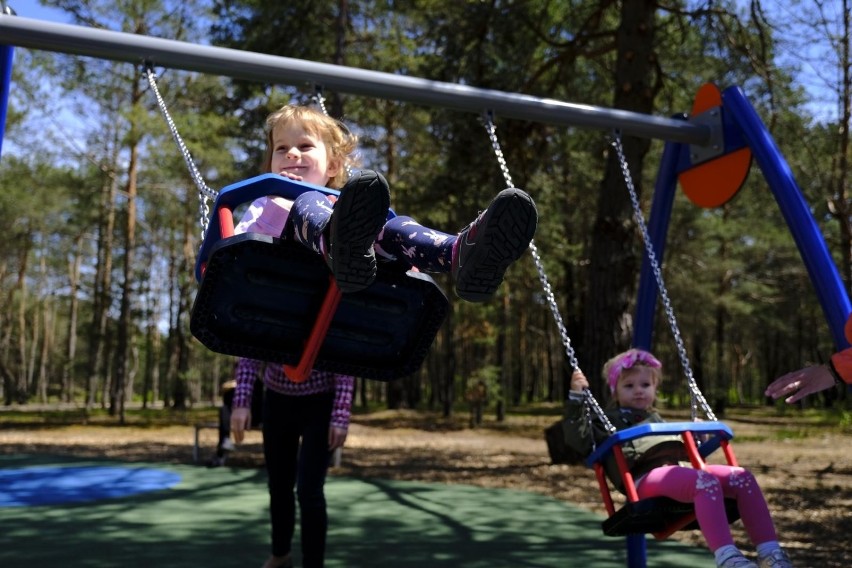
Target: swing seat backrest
<point x="247" y="191"/>
<point x="659" y="516"/>
<point x="263" y="298"/>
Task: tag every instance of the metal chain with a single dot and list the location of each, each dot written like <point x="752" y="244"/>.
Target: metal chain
<point x="590" y="403"/>
<point x="319" y="100"/>
<point x="696" y="398"/>
<point x="554" y="307"/>
<point x="498" y="151"/>
<point x="204" y="192"/>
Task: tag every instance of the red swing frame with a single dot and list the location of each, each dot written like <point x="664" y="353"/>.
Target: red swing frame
<point x="718" y="436"/>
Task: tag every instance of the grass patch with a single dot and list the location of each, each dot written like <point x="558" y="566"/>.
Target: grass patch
<point x="526" y="420"/>
<point x="792" y="434"/>
<point x="751" y="438"/>
<point x="137" y="417"/>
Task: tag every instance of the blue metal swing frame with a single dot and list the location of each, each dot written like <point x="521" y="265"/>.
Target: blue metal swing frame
<point x="741" y="127"/>
<point x="740" y="123"/>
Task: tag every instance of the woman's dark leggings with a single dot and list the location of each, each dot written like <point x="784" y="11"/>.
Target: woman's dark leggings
<point x="286" y="419"/>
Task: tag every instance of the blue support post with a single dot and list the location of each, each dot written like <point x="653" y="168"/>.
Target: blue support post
<point x="643" y="329"/>
<point x="6" y="56"/>
<point x="818" y="261"/>
<point x="658" y="226"/>
<point x="637" y="551"/>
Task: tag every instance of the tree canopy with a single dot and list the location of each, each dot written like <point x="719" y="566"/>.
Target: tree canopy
<point x="97" y="267"/>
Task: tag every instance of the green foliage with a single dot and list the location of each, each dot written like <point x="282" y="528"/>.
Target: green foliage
<point x="738" y="285"/>
<point x="136" y="417"/>
<point x="845" y="421"/>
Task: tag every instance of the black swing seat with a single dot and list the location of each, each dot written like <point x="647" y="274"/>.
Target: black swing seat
<point x="659" y="516"/>
<point x="260" y="296"/>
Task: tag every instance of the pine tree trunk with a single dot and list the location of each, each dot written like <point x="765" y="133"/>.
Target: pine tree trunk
<point x="101" y="293"/>
<point x="67" y="390"/>
<point x="118" y="393"/>
<point x="615" y="249"/>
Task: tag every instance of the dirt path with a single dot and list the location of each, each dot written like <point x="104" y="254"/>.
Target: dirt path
<point x="805" y="473"/>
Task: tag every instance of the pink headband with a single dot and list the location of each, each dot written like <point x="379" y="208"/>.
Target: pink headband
<point x="628" y="361"/>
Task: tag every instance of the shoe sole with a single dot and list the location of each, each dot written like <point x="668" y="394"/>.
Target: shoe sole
<point x="359" y="214"/>
<point x="506" y="233"/>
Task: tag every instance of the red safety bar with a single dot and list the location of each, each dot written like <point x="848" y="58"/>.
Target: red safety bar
<point x="630" y="487"/>
<point x="301" y="371"/>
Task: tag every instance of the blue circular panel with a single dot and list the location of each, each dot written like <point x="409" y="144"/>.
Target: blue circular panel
<point x="21" y="487"/>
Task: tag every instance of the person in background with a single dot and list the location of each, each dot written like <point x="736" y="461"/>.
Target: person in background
<point x="225" y="445"/>
<point x="477" y="397"/>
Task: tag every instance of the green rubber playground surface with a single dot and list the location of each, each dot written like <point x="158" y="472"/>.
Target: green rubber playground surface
<point x="218" y="518"/>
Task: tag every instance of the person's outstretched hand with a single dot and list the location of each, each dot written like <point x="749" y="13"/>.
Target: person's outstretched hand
<point x="240" y="422"/>
<point x="801" y="383"/>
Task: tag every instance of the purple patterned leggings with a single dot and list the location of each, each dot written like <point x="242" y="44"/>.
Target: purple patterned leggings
<point x="402" y="238"/>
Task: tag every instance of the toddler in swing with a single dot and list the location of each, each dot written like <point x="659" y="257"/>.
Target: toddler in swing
<point x="303" y="144"/>
<point x="660" y="464"/>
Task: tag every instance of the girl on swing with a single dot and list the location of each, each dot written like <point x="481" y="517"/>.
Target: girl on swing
<point x="303" y="144"/>
<point x="660" y="464"/>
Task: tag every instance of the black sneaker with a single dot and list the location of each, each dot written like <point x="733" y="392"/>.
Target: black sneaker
<point x="358" y="216"/>
<point x="496" y="239"/>
<point x="216" y="461"/>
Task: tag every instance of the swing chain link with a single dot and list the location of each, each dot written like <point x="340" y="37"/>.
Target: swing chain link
<point x="589" y="402"/>
<point x="491" y="128"/>
<point x="319" y="99"/>
<point x="696" y="397"/>
<point x="204" y="192"/>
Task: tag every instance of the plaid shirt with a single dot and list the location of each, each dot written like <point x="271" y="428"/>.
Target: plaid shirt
<point x="248" y="371"/>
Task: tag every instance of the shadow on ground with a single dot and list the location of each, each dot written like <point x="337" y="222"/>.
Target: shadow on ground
<point x="218" y="518"/>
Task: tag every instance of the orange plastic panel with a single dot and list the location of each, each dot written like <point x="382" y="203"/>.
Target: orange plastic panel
<point x="714" y="183"/>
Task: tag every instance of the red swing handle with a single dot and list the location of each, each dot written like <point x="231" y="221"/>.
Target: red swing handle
<point x="300" y="372"/>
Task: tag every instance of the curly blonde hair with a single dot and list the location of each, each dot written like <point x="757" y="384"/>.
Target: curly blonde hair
<point x="339" y="140"/>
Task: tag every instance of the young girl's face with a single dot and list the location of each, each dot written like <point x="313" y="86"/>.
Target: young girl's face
<point x="301" y="155"/>
<point x="636" y="388"/>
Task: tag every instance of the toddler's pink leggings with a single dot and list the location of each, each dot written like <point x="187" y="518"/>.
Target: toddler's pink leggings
<point x="707" y="489"/>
